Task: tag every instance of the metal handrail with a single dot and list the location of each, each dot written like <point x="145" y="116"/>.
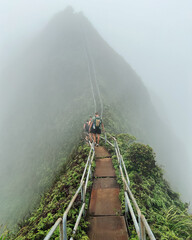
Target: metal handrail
<point x="59" y="223"/>
<point x="129" y="206"/>
<point x="141" y="226"/>
<point x="106" y="140"/>
<point x="68" y="208"/>
<point x="62" y="222"/>
<point x="78" y="220"/>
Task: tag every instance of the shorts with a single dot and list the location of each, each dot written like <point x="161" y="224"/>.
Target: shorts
<point x="97" y="131"/>
<point x="92" y="130"/>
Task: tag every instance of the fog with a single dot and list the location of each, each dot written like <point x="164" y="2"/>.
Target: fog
<point x="154" y="37"/>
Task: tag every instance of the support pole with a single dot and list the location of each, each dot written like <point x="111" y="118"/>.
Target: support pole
<point x="61" y="230"/>
<point x="142" y="229"/>
<point x="65" y="227"/>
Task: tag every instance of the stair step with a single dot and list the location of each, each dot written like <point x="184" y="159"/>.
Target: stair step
<point x="105" y="202"/>
<point x="108" y="228"/>
<point x="103" y="183"/>
<point x="104" y="168"/>
<point x="101" y="152"/>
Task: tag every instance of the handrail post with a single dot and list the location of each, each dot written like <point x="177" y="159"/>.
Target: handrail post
<point x="120" y="162"/>
<point x="61" y="230"/>
<point x="83" y="193"/>
<point x="139" y="220"/>
<point x="83" y="196"/>
<point x="91" y="174"/>
<point x="89" y="159"/>
<point x="126" y="207"/>
<point x="115" y="144"/>
<point x="142" y="230"/>
<point x="65" y="226"/>
<point x="116" y="150"/>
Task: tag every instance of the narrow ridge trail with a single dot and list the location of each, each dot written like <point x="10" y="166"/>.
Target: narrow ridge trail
<point x="105" y="215"/>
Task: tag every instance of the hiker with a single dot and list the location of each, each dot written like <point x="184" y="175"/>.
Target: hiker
<point x="86" y="130"/>
<point x="90" y="130"/>
<point x="96" y="128"/>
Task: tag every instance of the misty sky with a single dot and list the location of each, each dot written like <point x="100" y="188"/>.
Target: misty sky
<point x="154" y="36"/>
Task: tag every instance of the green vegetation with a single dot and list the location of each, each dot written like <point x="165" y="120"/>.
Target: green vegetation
<point x="55" y="201"/>
<point x="166" y="214"/>
<point x="162" y="207"/>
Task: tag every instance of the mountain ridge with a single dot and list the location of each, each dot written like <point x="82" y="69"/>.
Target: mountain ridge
<point x="52" y="99"/>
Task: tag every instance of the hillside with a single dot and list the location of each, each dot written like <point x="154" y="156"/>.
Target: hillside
<point x="166" y="214"/>
<point x="50" y="99"/>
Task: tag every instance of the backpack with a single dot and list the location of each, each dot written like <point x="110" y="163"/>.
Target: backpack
<point x="97" y="122"/>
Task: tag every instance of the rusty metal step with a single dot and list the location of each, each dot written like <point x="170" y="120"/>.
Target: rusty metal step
<point x="104" y="168"/>
<point x="105" y="202"/>
<point x="108" y="228"/>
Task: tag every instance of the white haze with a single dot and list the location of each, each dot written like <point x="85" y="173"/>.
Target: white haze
<point x="153" y="36"/>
